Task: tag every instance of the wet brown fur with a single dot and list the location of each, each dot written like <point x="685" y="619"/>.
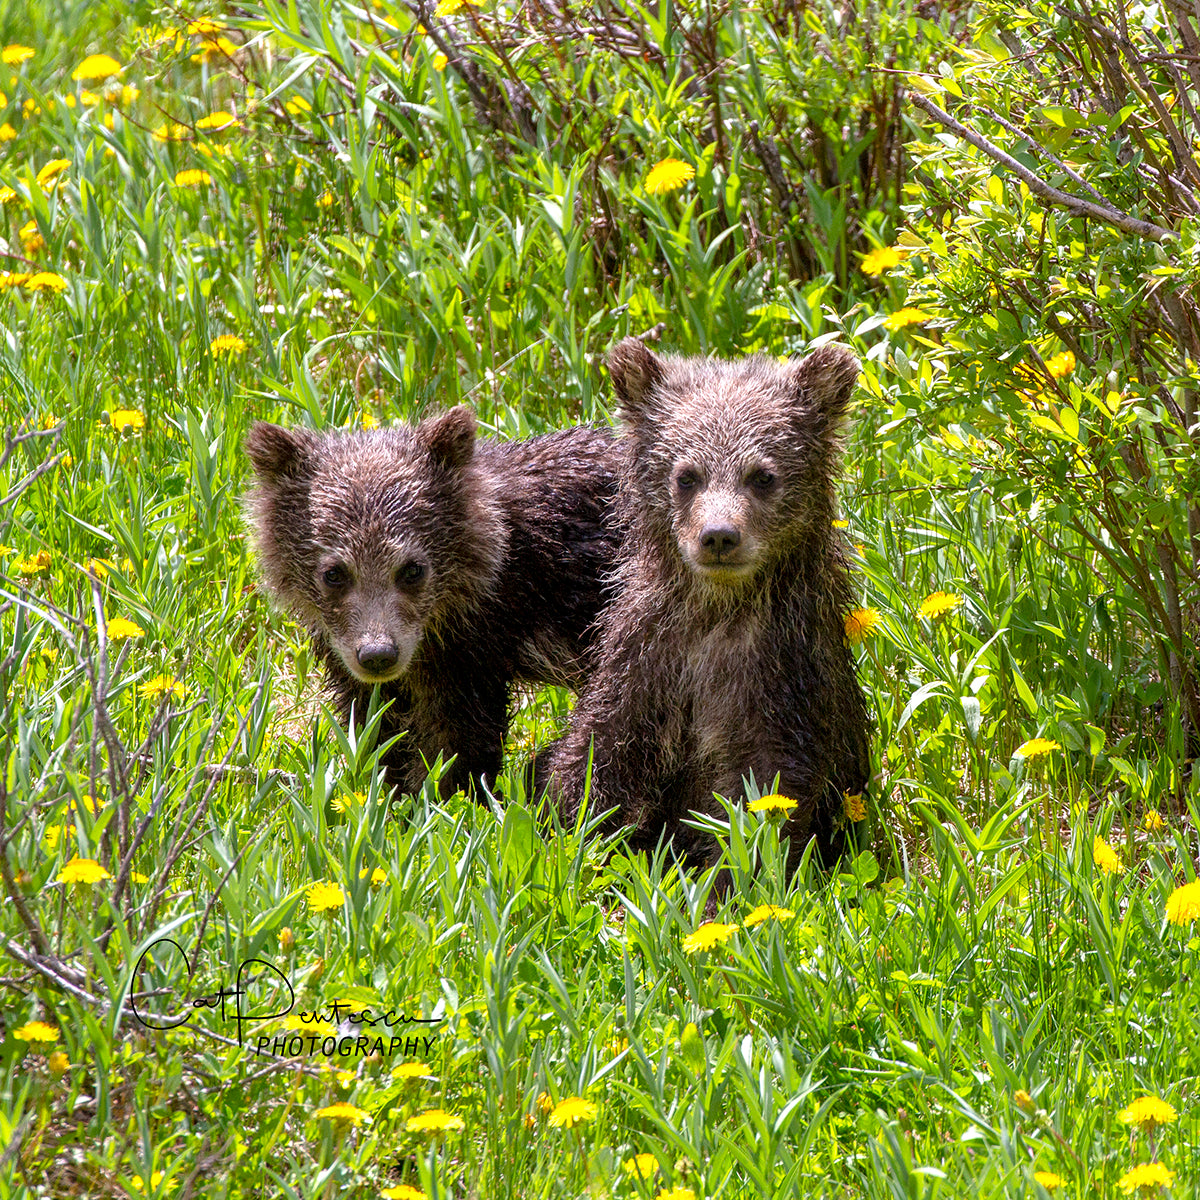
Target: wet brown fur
<point x="512" y="542"/>
<point x="718" y="659"/>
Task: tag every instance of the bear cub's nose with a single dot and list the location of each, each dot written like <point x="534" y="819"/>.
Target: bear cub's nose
<point x="378" y="657"/>
<point x="718" y="540"/>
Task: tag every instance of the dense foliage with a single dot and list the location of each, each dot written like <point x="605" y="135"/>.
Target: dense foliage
<point x="341" y="215"/>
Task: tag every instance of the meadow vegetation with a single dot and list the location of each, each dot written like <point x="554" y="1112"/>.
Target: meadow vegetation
<point x="346" y="215"/>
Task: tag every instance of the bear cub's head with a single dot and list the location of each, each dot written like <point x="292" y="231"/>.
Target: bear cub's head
<point x="729" y="464"/>
<point x="376" y="540"/>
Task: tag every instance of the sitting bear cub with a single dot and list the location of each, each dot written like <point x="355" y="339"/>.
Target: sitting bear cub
<point x="442" y="569"/>
<point x="722" y="651"/>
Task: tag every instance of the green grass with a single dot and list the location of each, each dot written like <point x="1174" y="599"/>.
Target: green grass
<point x="967" y="999"/>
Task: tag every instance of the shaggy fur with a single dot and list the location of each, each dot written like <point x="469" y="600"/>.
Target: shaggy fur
<point x="723" y="650"/>
<point x="441" y="569"/>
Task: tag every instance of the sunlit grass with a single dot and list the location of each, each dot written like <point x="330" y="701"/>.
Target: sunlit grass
<point x="971" y="997"/>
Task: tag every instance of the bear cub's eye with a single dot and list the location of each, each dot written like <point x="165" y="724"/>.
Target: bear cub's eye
<point x="687" y="480"/>
<point x="762" y="480"/>
<point x="410" y="574"/>
<point x="336" y="577"/>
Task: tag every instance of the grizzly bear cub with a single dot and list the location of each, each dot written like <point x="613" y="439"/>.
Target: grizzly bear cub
<point x="440" y="568"/>
<point x="722" y="651"/>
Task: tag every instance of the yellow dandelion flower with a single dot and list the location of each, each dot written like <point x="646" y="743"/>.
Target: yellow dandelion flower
<point x="46" y="281"/>
<point x="163" y="685"/>
<point x="171" y="131"/>
<point x="201" y="26"/>
<point x="86" y="801"/>
<point x="96" y="67"/>
<point x="435" y="1120"/>
<point x="402" y="1191"/>
<point x="54" y="833"/>
<point x="708" y="935"/>
<point x="767" y="912"/>
<point x="297" y="1024"/>
<point x="129" y="94"/>
<point x="343" y="1112"/>
<point x="213" y="49"/>
<point x="88" y="99"/>
<point x="7" y="195"/>
<point x="12" y="279"/>
<point x="99" y="567"/>
<point x="1023" y="1100"/>
<point x="880" y="260"/>
<point x="59" y="1064"/>
<point x="82" y="870"/>
<point x="572" y="1111"/>
<point x="1145" y="1176"/>
<point x="38" y="564"/>
<point x="676" y="1193"/>
<point x="668" y="175"/>
<point x="412" y="1070"/>
<point x="1152" y="821"/>
<point x="192" y="178"/>
<point x="123" y="419"/>
<point x="1035" y="747"/>
<point x="378" y="877"/>
<point x="938" y="604"/>
<point x="772" y="803"/>
<point x="31" y="238"/>
<point x="325" y="200"/>
<point x="861" y="623"/>
<point x="218" y="121"/>
<point x="156" y="1178"/>
<point x="15" y="55"/>
<point x="440" y="61"/>
<point x="298" y="105"/>
<point x="287" y="939"/>
<point x="36" y="1031"/>
<point x="544" y="1103"/>
<point x="1146" y="1112"/>
<point x="1105" y="857"/>
<point x="904" y="317"/>
<point x="1183" y="905"/>
<point x="324" y="897"/>
<point x="139" y="877"/>
<point x="227" y="344"/>
<point x="643" y="1166"/>
<point x="855" y="807"/>
<point x="1048" y="1180"/>
<point x="7" y="134"/>
<point x="1061" y="365"/>
<point x="123" y="627"/>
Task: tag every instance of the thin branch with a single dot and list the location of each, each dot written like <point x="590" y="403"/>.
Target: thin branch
<point x="1073" y="204"/>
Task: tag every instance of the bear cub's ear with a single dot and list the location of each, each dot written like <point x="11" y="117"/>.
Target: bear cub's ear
<point x="275" y="451"/>
<point x="450" y="438"/>
<point x="636" y="372"/>
<point x="824" y="383"/>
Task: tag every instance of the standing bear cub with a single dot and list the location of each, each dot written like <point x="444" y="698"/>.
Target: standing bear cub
<point x="722" y="651"/>
<point x="442" y="569"/>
